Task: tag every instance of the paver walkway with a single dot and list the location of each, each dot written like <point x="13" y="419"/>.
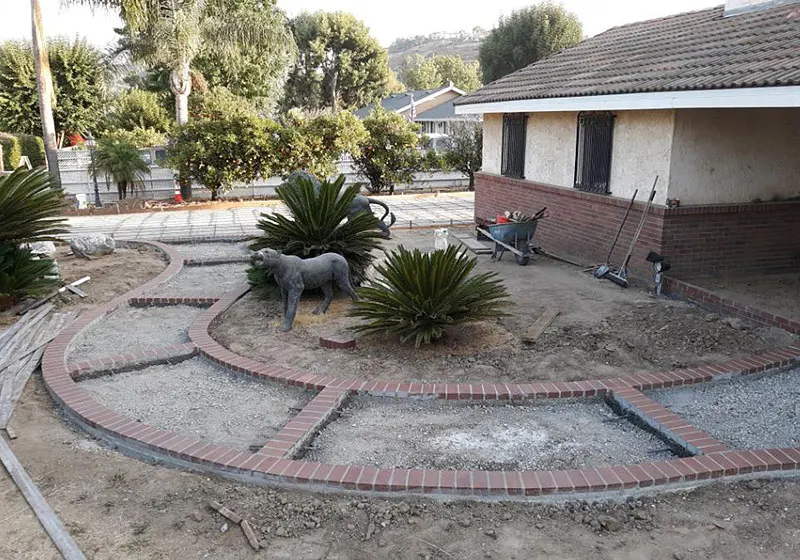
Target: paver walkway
<point x="411" y="210"/>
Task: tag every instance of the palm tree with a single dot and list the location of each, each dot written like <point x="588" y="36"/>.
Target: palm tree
<point x="120" y="161"/>
<point x="44" y="85"/>
<point x="172" y="32"/>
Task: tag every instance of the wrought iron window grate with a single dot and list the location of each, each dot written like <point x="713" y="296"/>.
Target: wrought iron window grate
<point x="593" y="153"/>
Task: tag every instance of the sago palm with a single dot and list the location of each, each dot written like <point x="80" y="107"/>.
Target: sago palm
<point x="30" y="207"/>
<point x="418" y="295"/>
<point x="120" y="161"/>
<point x="319" y="224"/>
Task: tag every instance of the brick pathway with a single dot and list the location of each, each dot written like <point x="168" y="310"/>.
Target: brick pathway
<point x="410" y="210"/>
<point x="705" y="458"/>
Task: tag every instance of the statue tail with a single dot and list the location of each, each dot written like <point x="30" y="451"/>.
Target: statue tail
<point x="382" y="205"/>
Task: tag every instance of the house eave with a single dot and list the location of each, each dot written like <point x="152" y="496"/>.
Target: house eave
<point x="744" y="98"/>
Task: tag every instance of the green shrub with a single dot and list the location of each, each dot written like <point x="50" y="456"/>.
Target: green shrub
<point x="21" y="274"/>
<point x="420" y="294"/>
<point x="319" y="224"/>
<point x="121" y="161"/>
<point x="29" y="211"/>
<point x="12" y="151"/>
<point x="30" y="207"/>
<point x="33" y="147"/>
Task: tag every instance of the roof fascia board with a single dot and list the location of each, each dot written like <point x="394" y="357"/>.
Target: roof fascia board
<point x="433" y="95"/>
<point x="781" y="96"/>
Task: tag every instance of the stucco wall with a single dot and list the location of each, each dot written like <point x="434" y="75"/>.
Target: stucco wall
<point x="550" y="148"/>
<point x="642" y="149"/>
<point x="735" y="155"/>
<point x="492" y="142"/>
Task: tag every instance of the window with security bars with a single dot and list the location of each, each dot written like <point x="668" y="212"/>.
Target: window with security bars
<point x="593" y="154"/>
<point x="513" y="161"/>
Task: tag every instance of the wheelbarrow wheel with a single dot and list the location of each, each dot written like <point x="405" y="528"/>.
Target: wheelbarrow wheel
<point x="522" y="260"/>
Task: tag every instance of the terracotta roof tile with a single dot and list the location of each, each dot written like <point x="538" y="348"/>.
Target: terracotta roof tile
<point x="691" y="51"/>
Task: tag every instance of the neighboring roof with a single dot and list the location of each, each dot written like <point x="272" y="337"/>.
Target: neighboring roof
<point x="399" y="102"/>
<point x="444" y="112"/>
<point x="693" y="51"/>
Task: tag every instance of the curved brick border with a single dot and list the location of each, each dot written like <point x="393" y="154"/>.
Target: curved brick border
<point x="273" y="463"/>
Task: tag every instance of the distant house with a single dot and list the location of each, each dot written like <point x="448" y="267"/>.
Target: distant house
<point x="708" y="101"/>
<point x="433" y="109"/>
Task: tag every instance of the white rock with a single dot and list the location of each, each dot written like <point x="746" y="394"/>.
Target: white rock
<point x="41" y="248"/>
<point x="92" y="245"/>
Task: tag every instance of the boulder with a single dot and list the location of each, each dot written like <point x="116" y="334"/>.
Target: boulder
<point x="92" y="245"/>
<point x="41" y="248"/>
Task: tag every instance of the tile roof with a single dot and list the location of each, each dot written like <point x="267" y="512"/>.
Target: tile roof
<point x="397" y="101"/>
<point x="444" y="112"/>
<point x="692" y="51"/>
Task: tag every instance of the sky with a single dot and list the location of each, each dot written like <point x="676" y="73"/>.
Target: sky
<point x="409" y="17"/>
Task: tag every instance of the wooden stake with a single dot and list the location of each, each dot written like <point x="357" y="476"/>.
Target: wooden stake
<point x="250" y="534"/>
<point x="47" y="517"/>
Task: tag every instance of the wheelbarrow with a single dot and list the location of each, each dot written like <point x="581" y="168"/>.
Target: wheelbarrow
<point x="515" y="237"/>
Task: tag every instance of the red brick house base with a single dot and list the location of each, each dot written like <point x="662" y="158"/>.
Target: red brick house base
<point x="698" y="240"/>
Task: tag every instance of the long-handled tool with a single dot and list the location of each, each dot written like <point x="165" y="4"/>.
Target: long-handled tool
<point x="603" y="269"/>
<point x="620" y="277"/>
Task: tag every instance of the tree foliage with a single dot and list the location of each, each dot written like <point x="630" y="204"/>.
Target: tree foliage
<point x="137" y="109"/>
<point x="464" y="150"/>
<point x="243" y="44"/>
<point x="391" y="153"/>
<point x="318" y="224"/>
<point x="436" y="71"/>
<point x="79" y="73"/>
<point x="527" y="36"/>
<point x="315" y="143"/>
<point x="339" y="65"/>
<point x="120" y="161"/>
<point x="219" y="152"/>
<point x="418" y="295"/>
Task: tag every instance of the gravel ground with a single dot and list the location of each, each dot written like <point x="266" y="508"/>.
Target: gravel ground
<point x="131" y="329"/>
<point x="212" y="250"/>
<point x="430" y="434"/>
<point x="199" y="399"/>
<point x="204" y="281"/>
<point x="745" y="412"/>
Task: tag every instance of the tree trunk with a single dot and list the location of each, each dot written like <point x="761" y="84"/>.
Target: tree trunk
<point x="471" y="181"/>
<point x="180" y="83"/>
<point x="44" y="86"/>
<point x="214" y="195"/>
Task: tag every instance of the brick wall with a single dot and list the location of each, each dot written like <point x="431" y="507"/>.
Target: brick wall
<point x="698" y="240"/>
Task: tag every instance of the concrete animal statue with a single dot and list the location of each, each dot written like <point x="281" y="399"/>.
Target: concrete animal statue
<point x="440" y="239"/>
<point x="360" y="203"/>
<point x="293" y="275"/>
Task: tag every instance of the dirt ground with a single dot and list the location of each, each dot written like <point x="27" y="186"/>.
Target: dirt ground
<point x="117" y="507"/>
<point x="433" y="434"/>
<point x="778" y="293"/>
<point x="602" y="330"/>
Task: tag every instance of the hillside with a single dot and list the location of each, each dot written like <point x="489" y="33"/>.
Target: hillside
<point x="463" y="44"/>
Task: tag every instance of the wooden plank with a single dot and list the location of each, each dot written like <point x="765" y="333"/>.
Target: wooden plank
<point x="250" y="534"/>
<point x="47" y="517"/>
<point x="477" y="247"/>
<point x="225" y="512"/>
<point x="537" y="328"/>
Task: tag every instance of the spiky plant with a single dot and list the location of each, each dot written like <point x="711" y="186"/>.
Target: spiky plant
<point x="29" y="212"/>
<point x="21" y="274"/>
<point x="319" y="223"/>
<point x="30" y="207"/>
<point x="121" y="162"/>
<point x="418" y="295"/>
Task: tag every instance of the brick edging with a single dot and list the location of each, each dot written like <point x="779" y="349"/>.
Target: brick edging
<point x="161" y="301"/>
<point x="711" y="300"/>
<point x="271" y="465"/>
<point x="97" y="367"/>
